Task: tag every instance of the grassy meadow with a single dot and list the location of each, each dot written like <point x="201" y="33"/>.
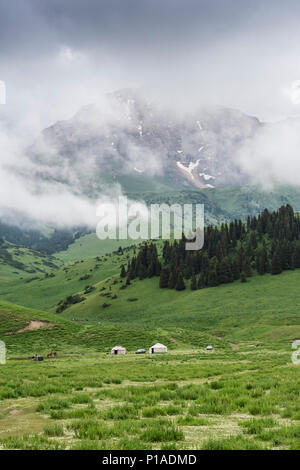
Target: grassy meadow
<point x="264" y="308"/>
<point x="41" y="291"/>
<point x="242" y="395"/>
<point x="241" y="398"/>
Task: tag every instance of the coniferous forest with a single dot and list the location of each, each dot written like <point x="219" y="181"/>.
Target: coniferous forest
<point x="268" y="243"/>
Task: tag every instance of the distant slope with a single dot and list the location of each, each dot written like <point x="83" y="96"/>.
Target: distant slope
<point x="17" y="261"/>
<point x="220" y="205"/>
<point x="90" y="246"/>
<point x="241" y="201"/>
<point x="14" y="318"/>
<point x="19" y="229"/>
<point x="42" y="292"/>
<point x="228" y="203"/>
<point x="64" y="336"/>
<point x="266" y="308"/>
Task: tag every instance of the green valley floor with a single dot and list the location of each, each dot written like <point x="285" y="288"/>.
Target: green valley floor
<point x="242" y="395"/>
<point x="236" y="398"/>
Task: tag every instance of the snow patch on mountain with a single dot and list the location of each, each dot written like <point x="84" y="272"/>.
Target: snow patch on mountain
<point x="138" y="170"/>
<point x="207" y="177"/>
<point x="189" y="169"/>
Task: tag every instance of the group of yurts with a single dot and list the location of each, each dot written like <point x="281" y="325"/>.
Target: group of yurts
<point x="157" y="348"/>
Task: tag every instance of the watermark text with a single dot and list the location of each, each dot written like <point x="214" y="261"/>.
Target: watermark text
<point x="123" y="220"/>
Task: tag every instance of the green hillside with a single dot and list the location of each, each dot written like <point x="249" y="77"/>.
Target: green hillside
<point x="44" y="292"/>
<point x="17" y="261"/>
<point x="241" y="201"/>
<point x="227" y="203"/>
<point x="26" y="331"/>
<point x="220" y="205"/>
<point x="241" y="395"/>
<point x="260" y="308"/>
<point x="49" y="330"/>
<point x="90" y="246"/>
<point x="263" y="309"/>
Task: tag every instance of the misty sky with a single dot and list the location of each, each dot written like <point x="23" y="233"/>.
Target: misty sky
<point x="56" y="55"/>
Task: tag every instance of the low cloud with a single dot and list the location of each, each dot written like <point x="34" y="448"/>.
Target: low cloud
<point x="46" y="194"/>
<point x="272" y="156"/>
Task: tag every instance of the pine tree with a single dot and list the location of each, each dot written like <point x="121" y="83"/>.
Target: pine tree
<point x="212" y="277"/>
<point x="164" y="278"/>
<point x="276" y="267"/>
<point x="141" y="272"/>
<point x="157" y="267"/>
<point x="193" y="282"/>
<point x="229" y="252"/>
<point x="235" y="269"/>
<point x="262" y="262"/>
<point x="225" y="274"/>
<point x="248" y="223"/>
<point x="297" y="255"/>
<point x="172" y="280"/>
<point x="151" y="269"/>
<point x="123" y="272"/>
<point x="247" y="267"/>
<point x="180" y="285"/>
<point x="201" y="281"/>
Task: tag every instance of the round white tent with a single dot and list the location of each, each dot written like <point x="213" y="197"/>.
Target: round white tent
<point x="158" y="348"/>
<point x="118" y="350"/>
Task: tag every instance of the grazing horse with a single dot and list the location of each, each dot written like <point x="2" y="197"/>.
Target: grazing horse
<point x="52" y="354"/>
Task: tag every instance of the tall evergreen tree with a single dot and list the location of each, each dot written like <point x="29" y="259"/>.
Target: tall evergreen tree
<point x="180" y="285"/>
<point x="193" y="282"/>
<point x="123" y="272"/>
<point x="201" y="281"/>
<point x="172" y="280"/>
<point x="276" y="263"/>
<point x="225" y="273"/>
<point x="164" y="278"/>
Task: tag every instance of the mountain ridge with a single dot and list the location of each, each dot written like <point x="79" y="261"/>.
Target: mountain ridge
<point x="131" y="135"/>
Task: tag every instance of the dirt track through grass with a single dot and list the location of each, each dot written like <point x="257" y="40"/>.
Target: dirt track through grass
<point x="184" y="400"/>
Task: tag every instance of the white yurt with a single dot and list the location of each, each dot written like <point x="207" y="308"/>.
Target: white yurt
<point x="2" y="352"/>
<point x="158" y="348"/>
<point x="118" y="350"/>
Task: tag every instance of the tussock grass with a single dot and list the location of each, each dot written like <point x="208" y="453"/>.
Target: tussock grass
<point x="31" y="442"/>
<point x="54" y="430"/>
<point x="256" y="426"/>
<point x="190" y="420"/>
<point x="232" y="443"/>
<point x="53" y="404"/>
<point x="159" y="414"/>
<point x="162" y="432"/>
<point x="120" y="412"/>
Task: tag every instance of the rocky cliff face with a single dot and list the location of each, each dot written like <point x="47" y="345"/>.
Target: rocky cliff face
<point x="132" y="140"/>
